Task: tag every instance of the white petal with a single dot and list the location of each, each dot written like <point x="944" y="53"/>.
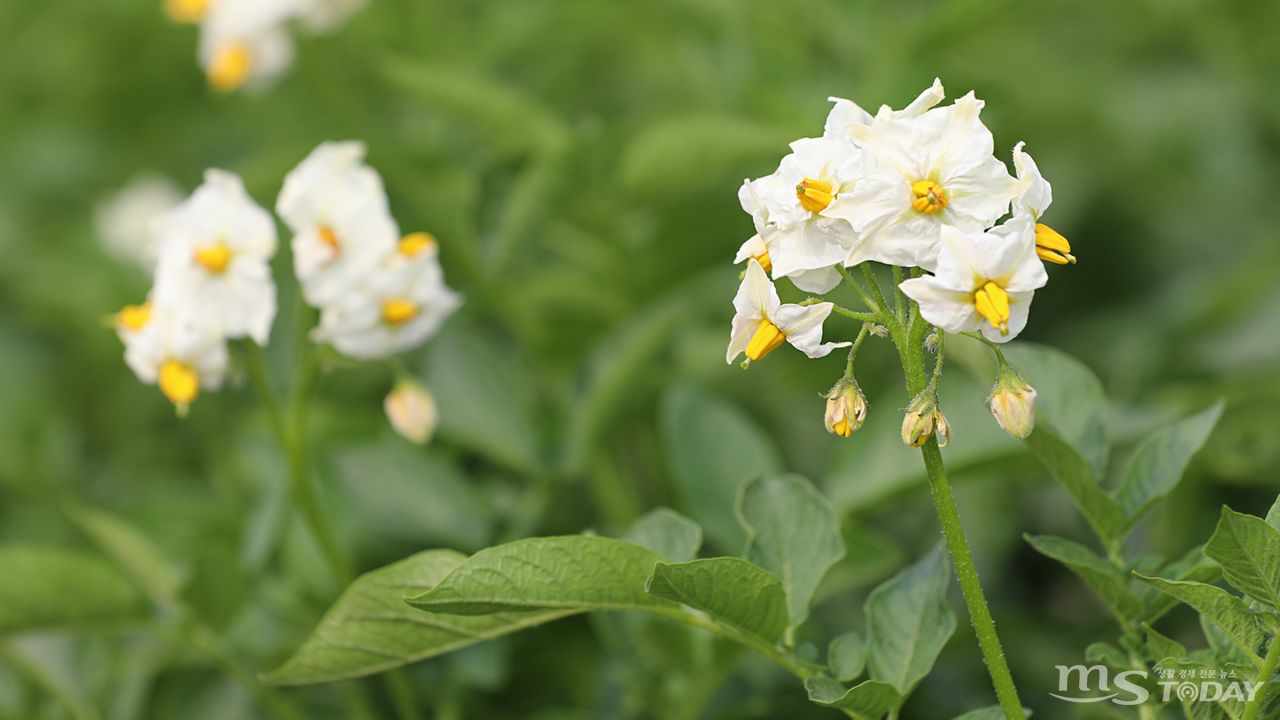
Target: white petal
<point x="950" y="310"/>
<point x="816" y="281"/>
<point x="753" y="247"/>
<point x="926" y="100"/>
<point x="1019" y="308"/>
<point x="803" y="328"/>
<point x="1034" y="194"/>
<point x="844" y="113"/>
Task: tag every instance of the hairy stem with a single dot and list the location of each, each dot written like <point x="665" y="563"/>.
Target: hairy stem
<point x="1264" y="677"/>
<point x="876" y="309"/>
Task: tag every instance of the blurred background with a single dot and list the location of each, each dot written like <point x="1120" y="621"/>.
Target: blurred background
<point x="579" y="162"/>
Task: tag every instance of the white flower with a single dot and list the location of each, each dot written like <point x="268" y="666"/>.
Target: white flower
<point x="803" y="201"/>
<point x="923" y="173"/>
<point x="984" y="281"/>
<point x="214" y="253"/>
<point x="170" y="346"/>
<point x="397" y="307"/>
<point x="762" y="322"/>
<point x="767" y="237"/>
<point x="1033" y="193"/>
<point x="246" y="41"/>
<point x="123" y="220"/>
<point x="412" y="411"/>
<point x="337" y="209"/>
<point x="846" y="112"/>
<point x="323" y="15"/>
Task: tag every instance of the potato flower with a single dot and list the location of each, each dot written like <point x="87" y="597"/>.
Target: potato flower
<point x="245" y="42"/>
<point x="1033" y="197"/>
<point x="846" y="112"/>
<point x="123" y="221"/>
<point x="763" y="323"/>
<point x="170" y="346"/>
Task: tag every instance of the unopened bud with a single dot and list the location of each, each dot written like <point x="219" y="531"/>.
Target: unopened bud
<point x="921" y="419"/>
<point x="1013" y="403"/>
<point x="879" y="331"/>
<point x="931" y="343"/>
<point x="846" y="408"/>
<point x="412" y="411"/>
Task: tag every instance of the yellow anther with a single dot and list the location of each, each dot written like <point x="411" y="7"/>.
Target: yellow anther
<point x="992" y="302"/>
<point x="930" y="197"/>
<point x="213" y="258"/>
<point x="766" y="263"/>
<point x="396" y="312"/>
<point x="414" y="243"/>
<point x="814" y="195"/>
<point x="842" y="428"/>
<point x="230" y="67"/>
<point x="180" y="383"/>
<point x="186" y="11"/>
<point x="328" y="237"/>
<point x="1052" y="247"/>
<point x="765" y="340"/>
<point x="134" y="317"/>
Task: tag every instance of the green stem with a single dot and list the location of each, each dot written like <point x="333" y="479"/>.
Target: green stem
<point x="792" y="665"/>
<point x="875" y="287"/>
<point x="864" y="317"/>
<point x="853" y="351"/>
<point x="862" y="293"/>
<point x="36" y="675"/>
<point x="899" y="300"/>
<point x="401" y="694"/>
<point x="1264" y="678"/>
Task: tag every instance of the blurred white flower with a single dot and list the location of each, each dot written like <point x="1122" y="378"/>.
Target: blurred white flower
<point x="984" y="281"/>
<point x="412" y="411"/>
<point x="922" y="174"/>
<point x="170" y="346"/>
<point x="214" y="254"/>
<point x="847" y="112"/>
<point x="324" y="15"/>
<point x="762" y="322"/>
<point x="337" y="209"/>
<point x="246" y="41"/>
<point x="123" y="220"/>
<point x="398" y="306"/>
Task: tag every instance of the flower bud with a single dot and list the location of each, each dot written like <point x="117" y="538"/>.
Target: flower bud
<point x="846" y="408"/>
<point x="921" y="419"/>
<point x="1013" y="403"/>
<point x="412" y="411"/>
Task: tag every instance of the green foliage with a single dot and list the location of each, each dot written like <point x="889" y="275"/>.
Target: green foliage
<point x="732" y="591"/>
<point x="53" y="588"/>
<point x="868" y="701"/>
<point x="1160" y="460"/>
<point x="668" y="533"/>
<point x="1248" y="549"/>
<point x="847" y="656"/>
<point x="909" y="622"/>
<point x="1108" y="581"/>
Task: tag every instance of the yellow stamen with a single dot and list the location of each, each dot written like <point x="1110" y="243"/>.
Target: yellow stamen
<point x="1053" y="247"/>
<point x="395" y="312"/>
<point x="992" y="302"/>
<point x="814" y="195"/>
<point x="766" y="262"/>
<point x="186" y="11"/>
<point x="134" y="317"/>
<point x="930" y="197"/>
<point x="230" y="67"/>
<point x="765" y="340"/>
<point x="328" y="237"/>
<point x="180" y="383"/>
<point x="213" y="257"/>
<point x="842" y="428"/>
<point x="415" y="243"/>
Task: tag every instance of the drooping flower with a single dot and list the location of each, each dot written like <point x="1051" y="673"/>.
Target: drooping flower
<point x="923" y="419"/>
<point x="214" y="252"/>
<point x="337" y="208"/>
<point x="846" y="112"/>
<point x="398" y="306"/>
<point x="412" y="411"/>
<point x="762" y="322"/>
<point x="1013" y="403"/>
<point x="169" y="346"/>
<point x="984" y="281"/>
<point x="846" y="408"/>
<point x="123" y="221"/>
<point x="922" y="174"/>
<point x="1033" y="197"/>
<point x="245" y="42"/>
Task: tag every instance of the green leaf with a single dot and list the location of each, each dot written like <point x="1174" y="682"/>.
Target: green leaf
<point x="1104" y="578"/>
<point x="1072" y="470"/>
<point x="868" y="701"/>
<point x="793" y="532"/>
<point x="54" y="588"/>
<point x="414" y="494"/>
<point x="1162" y="647"/>
<point x="668" y="533"/>
<point x="578" y="571"/>
<point x="1194" y="566"/>
<point x="132" y="551"/>
<point x="485" y="397"/>
<point x="733" y="592"/>
<point x="371" y="629"/>
<point x="1108" y="654"/>
<point x="991" y="712"/>
<point x="1224" y="648"/>
<point x="1248" y="549"/>
<point x="679" y="156"/>
<point x="847" y="656"/>
<point x="712" y="449"/>
<point x="909" y="622"/>
<point x="1070" y="400"/>
<point x="1273" y="515"/>
<point x="1226" y="611"/>
<point x="1160" y="460"/>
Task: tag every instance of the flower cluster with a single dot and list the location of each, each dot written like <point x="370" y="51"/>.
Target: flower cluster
<point x="212" y="283"/>
<point x="379" y="294"/>
<point x="917" y="188"/>
<point x="248" y="41"/>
